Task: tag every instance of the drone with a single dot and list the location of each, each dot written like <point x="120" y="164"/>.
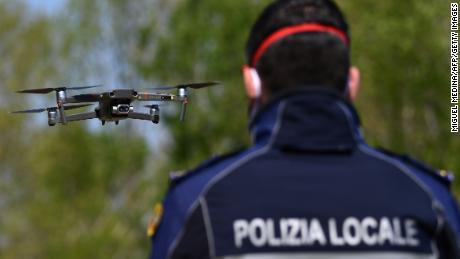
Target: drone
<point x="114" y="105"/>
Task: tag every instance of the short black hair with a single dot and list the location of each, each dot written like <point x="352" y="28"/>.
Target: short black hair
<point x="306" y="59"/>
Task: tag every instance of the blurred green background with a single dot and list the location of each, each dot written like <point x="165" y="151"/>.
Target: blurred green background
<point x="87" y="191"/>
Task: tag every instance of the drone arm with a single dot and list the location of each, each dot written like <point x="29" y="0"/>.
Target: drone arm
<point x="144" y="116"/>
<point x="158" y="97"/>
<point x="71" y="100"/>
<point x="81" y="116"/>
<point x="83" y="98"/>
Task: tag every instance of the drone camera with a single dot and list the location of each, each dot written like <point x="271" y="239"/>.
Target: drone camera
<point x="122" y="109"/>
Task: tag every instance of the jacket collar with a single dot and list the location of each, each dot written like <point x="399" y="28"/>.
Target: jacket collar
<point x="308" y="120"/>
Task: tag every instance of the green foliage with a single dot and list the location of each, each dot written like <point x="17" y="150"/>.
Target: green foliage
<point x="66" y="192"/>
<point x="400" y="47"/>
<point x="205" y="41"/>
<point x="71" y="192"/>
<point x="80" y="185"/>
<point x="403" y="51"/>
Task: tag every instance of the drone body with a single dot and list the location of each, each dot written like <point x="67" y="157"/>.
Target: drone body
<point x="113" y="106"/>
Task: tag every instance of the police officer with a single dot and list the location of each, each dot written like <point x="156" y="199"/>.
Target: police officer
<point x="309" y="186"/>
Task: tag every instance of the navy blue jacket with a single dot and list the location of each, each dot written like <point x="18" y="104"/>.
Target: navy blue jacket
<point x="309" y="187"/>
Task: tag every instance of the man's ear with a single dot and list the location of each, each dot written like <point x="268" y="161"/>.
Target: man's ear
<point x="252" y="82"/>
<point x="354" y="83"/>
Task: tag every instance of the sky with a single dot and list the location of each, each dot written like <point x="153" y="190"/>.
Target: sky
<point x="49" y="7"/>
<point x="147" y="129"/>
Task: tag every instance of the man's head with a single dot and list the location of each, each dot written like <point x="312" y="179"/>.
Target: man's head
<point x="299" y="43"/>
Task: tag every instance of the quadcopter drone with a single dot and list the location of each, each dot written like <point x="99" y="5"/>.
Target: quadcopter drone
<point x="113" y="106"/>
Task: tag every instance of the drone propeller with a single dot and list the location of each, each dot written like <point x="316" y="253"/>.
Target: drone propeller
<point x="49" y="90"/>
<point x="31" y="111"/>
<point x="191" y="85"/>
<point x="68" y="107"/>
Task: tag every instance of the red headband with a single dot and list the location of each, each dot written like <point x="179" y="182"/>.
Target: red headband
<point x="299" y="28"/>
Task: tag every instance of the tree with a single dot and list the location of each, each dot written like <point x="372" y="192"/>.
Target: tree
<point x="404" y="101"/>
<point x="67" y="192"/>
<point x="73" y="192"/>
